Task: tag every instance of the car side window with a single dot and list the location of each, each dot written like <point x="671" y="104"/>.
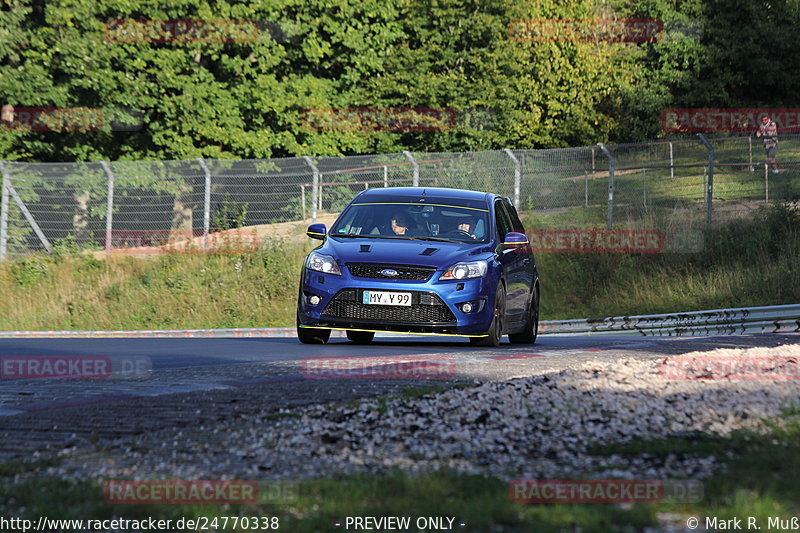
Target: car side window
<point x="516" y="223"/>
<point x="502" y="221"/>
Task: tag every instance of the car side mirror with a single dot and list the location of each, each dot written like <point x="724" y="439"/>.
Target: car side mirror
<point x="317" y="231"/>
<point x="514" y="240"/>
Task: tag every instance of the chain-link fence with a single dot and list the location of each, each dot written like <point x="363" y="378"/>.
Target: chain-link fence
<point x="688" y="182"/>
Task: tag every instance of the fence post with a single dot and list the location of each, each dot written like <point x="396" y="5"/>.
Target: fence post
<point x="415" y="178"/>
<point x="109" y="205"/>
<point x="586" y="185"/>
<point x="671" y="162"/>
<point x="585" y="188"/>
<point x="303" y="200"/>
<point x="206" y="203"/>
<point x="314" y="188"/>
<point x="766" y="181"/>
<point x="385" y="176"/>
<point x="644" y="187"/>
<point x="4" y="213"/>
<point x="36" y="229"/>
<point x="710" y="183"/>
<point x="611" y="165"/>
<point x="750" y="152"/>
<point x="319" y="191"/>
<point x="517" y="175"/>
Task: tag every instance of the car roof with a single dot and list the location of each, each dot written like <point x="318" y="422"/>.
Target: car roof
<point x="440" y="192"/>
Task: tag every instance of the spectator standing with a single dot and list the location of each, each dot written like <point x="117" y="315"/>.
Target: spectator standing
<point x="769" y="131"/>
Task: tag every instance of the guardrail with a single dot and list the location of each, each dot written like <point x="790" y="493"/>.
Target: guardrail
<point x="768" y="319"/>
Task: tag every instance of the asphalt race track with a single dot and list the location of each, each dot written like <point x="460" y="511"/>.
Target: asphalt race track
<point x="181" y="382"/>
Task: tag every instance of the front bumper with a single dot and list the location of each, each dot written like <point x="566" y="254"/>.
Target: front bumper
<point x="435" y="305"/>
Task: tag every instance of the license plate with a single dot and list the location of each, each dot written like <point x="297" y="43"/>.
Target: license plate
<point x="387" y="298"/>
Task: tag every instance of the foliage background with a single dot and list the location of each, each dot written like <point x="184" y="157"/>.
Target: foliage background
<point x="246" y="99"/>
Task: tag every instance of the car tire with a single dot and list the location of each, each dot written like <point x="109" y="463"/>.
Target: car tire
<point x="313" y="335"/>
<point x="529" y="334"/>
<point x="360" y="337"/>
<point x="310" y="335"/>
<point x="495" y="333"/>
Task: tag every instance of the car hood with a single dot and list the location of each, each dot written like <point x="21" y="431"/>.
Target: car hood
<point x="402" y="252"/>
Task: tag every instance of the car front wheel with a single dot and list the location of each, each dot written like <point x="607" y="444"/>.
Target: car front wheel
<point x="495" y="333"/>
<point x="313" y="335"/>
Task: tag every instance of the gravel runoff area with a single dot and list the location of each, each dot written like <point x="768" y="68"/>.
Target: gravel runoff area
<point x="535" y="426"/>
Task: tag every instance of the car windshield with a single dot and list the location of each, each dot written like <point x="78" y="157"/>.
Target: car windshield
<point x="436" y="219"/>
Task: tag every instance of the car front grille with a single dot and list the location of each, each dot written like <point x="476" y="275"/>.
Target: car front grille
<point x="404" y="272"/>
<point x="425" y="308"/>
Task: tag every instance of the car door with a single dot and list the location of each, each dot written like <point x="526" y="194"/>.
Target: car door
<point x="513" y="266"/>
<point x="528" y="260"/>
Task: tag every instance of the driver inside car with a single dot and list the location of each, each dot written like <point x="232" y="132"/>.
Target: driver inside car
<point x="467" y="225"/>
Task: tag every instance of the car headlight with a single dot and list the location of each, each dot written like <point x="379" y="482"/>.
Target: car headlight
<point x="322" y="263"/>
<point x="467" y="270"/>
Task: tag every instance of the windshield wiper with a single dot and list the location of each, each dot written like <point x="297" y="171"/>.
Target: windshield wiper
<point x="437" y="239"/>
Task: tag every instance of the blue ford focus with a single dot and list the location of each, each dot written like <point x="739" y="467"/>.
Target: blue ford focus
<point x="421" y="260"/>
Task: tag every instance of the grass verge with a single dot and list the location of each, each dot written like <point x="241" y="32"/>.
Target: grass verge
<point x="743" y="263"/>
<point x="759" y="481"/>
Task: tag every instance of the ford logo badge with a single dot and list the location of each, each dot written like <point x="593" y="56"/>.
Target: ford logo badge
<point x="389" y="272"/>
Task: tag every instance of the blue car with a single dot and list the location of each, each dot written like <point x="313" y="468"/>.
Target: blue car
<point x="421" y="260"/>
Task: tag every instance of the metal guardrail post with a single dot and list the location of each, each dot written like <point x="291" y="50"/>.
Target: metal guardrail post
<point x="4" y="213"/>
<point x="415" y="177"/>
<point x="710" y="183"/>
<point x="517" y="175"/>
<point x="314" y="187"/>
<point x="611" y="166"/>
<point x="206" y="203"/>
<point x="109" y="205"/>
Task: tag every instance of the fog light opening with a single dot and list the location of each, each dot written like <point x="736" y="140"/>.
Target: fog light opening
<point x="314" y="299"/>
<point x="469" y="307"/>
<point x="473" y="306"/>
